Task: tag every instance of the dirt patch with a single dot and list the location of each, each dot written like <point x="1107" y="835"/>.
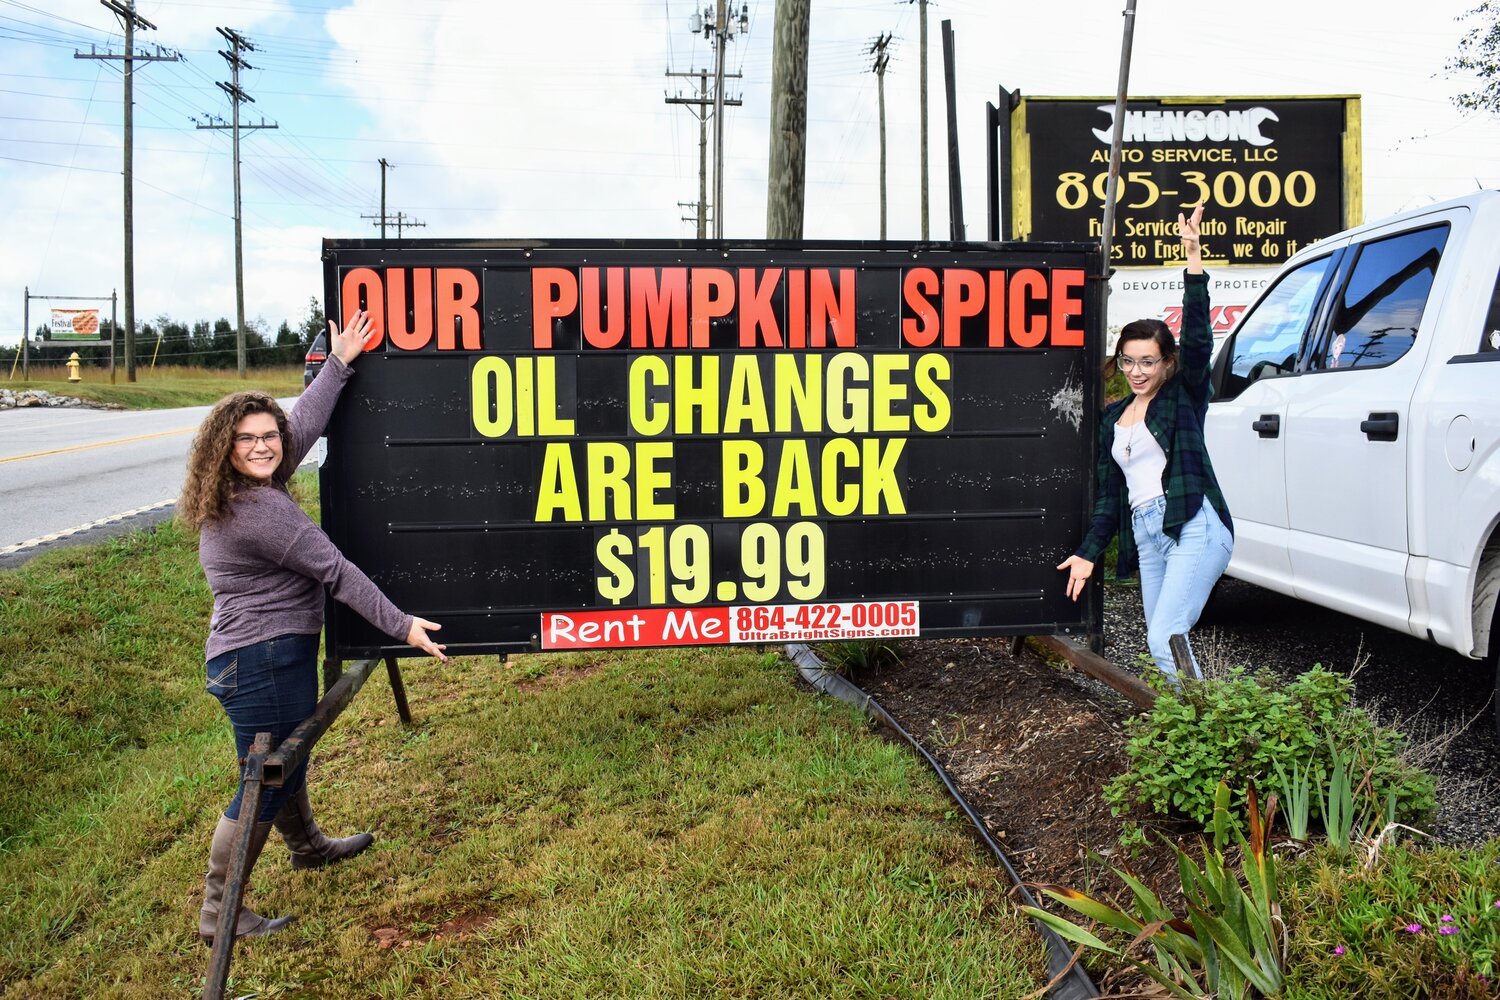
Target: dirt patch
<point x="456" y="929"/>
<point x="1031" y="745"/>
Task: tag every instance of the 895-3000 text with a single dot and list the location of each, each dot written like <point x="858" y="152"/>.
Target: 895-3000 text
<point x="1225" y="189"/>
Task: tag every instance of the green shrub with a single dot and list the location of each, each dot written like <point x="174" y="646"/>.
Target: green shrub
<point x="858" y="655"/>
<point x="1241" y="727"/>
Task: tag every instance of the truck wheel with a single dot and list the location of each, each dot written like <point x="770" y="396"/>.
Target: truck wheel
<point x="1493" y="659"/>
<point x="1489" y="577"/>
<point x="1494" y="662"/>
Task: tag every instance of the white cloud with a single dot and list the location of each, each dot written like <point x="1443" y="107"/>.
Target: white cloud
<point x="511" y="119"/>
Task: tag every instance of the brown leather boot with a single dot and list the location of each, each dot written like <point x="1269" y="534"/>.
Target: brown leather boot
<point x="251" y="924"/>
<point x="309" y="847"/>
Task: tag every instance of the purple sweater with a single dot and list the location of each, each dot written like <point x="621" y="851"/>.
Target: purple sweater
<point x="267" y="562"/>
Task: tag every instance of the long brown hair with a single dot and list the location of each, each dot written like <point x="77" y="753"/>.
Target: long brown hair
<point x="212" y="480"/>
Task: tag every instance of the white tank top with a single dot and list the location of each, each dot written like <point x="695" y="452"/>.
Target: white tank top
<point x="1138" y="455"/>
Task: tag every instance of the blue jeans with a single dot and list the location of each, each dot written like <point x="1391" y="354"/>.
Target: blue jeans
<point x="266" y="687"/>
<point x="1177" y="577"/>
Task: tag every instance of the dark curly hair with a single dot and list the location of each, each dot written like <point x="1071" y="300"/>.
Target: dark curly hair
<point x="212" y="480"/>
<point x="1147" y="329"/>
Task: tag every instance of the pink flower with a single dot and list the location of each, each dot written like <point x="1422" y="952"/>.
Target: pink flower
<point x="1447" y="918"/>
<point x="1448" y="930"/>
<point x="1339" y="950"/>
<point x="1413" y="928"/>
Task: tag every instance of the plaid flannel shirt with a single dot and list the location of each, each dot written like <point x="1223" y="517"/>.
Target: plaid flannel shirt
<point x="1175" y="419"/>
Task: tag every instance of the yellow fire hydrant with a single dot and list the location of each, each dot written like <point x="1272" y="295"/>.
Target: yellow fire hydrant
<point x="73" y="375"/>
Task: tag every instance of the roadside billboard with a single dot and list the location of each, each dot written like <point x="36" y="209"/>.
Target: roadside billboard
<point x="587" y="444"/>
<point x="1276" y="174"/>
<point x="77" y="325"/>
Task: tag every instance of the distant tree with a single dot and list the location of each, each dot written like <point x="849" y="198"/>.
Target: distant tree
<point x="1479" y="56"/>
<point x="225" y="350"/>
<point x="315" y="323"/>
<point x="176" y="342"/>
<point x="203" y="344"/>
<point x="288" y="345"/>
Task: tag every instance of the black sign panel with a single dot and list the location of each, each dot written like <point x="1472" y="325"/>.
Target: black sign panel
<point x="646" y="444"/>
<point x="1272" y="172"/>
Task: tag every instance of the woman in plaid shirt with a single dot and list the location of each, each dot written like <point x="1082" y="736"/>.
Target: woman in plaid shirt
<point x="1153" y="464"/>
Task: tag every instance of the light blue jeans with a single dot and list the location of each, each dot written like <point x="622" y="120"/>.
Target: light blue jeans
<point x="1177" y="577"/>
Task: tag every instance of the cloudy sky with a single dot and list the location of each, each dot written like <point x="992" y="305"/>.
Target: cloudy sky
<point x="520" y="119"/>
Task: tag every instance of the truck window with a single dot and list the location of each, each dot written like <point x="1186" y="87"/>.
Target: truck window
<point x="1269" y="338"/>
<point x="1375" y="318"/>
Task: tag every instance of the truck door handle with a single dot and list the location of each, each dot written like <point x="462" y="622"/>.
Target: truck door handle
<point x="1268" y="426"/>
<point x="1381" y="426"/>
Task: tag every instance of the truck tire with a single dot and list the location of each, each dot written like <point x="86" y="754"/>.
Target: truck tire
<point x="1489" y="579"/>
<point x="1494" y="662"/>
<point x="1493" y="659"/>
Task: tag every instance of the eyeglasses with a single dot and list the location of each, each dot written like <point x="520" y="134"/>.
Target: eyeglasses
<point x="1147" y="365"/>
<point x="249" y="440"/>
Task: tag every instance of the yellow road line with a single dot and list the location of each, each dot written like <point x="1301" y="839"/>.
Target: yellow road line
<point x="96" y="444"/>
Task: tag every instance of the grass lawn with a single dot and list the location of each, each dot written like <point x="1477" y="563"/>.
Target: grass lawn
<point x="669" y="823"/>
<point x="160" y="388"/>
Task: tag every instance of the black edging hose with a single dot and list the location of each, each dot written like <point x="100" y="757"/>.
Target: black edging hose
<point x="1075" y="985"/>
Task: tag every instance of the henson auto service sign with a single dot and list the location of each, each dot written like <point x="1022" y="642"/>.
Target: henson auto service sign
<point x="558" y="446"/>
<point x="1276" y="173"/>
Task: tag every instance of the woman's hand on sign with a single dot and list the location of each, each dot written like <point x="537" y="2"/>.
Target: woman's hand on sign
<point x="418" y="637"/>
<point x="1079" y="571"/>
<point x="350" y="343"/>
<point x="1189" y="231"/>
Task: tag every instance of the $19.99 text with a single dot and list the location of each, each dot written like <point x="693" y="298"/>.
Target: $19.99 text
<point x="677" y="564"/>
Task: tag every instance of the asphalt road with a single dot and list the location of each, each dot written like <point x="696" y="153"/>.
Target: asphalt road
<point x="68" y="475"/>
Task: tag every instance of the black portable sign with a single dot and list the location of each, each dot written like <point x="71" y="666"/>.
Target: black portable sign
<point x="1276" y="173"/>
<point x="574" y="445"/>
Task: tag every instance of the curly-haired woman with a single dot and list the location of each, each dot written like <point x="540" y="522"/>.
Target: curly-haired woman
<point x="1154" y="468"/>
<point x="267" y="564"/>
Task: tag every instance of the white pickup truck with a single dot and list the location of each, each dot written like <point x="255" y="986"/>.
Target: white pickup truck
<point x="1355" y="426"/>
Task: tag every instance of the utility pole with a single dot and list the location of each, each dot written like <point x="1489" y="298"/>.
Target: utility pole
<point x="125" y="11"/>
<point x="787" y="171"/>
<point x="384" y="218"/>
<point x="955" y="187"/>
<point x="384" y="166"/>
<point x="1122" y="91"/>
<point x="237" y="43"/>
<point x="882" y="59"/>
<point x="922" y="96"/>
<point x="702" y="102"/>
<point x="403" y="222"/>
<point x="720" y="27"/>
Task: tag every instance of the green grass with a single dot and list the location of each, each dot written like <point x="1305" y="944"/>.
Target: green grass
<point x="1377" y="930"/>
<point x="161" y="388"/>
<point x="671" y="823"/>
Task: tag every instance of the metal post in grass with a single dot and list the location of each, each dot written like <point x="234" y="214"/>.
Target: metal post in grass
<point x="398" y="689"/>
<point x="1182" y="655"/>
<point x="287" y="757"/>
<point x="239" y="870"/>
<point x="264" y="768"/>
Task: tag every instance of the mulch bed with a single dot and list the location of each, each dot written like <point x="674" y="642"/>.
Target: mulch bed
<point x="1031" y="745"/>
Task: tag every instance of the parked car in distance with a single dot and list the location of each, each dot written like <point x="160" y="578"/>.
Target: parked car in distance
<point x="317" y="353"/>
<point x="1355" y="426"/>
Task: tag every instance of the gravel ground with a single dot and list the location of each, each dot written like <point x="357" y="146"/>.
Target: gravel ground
<point x="1442" y="700"/>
